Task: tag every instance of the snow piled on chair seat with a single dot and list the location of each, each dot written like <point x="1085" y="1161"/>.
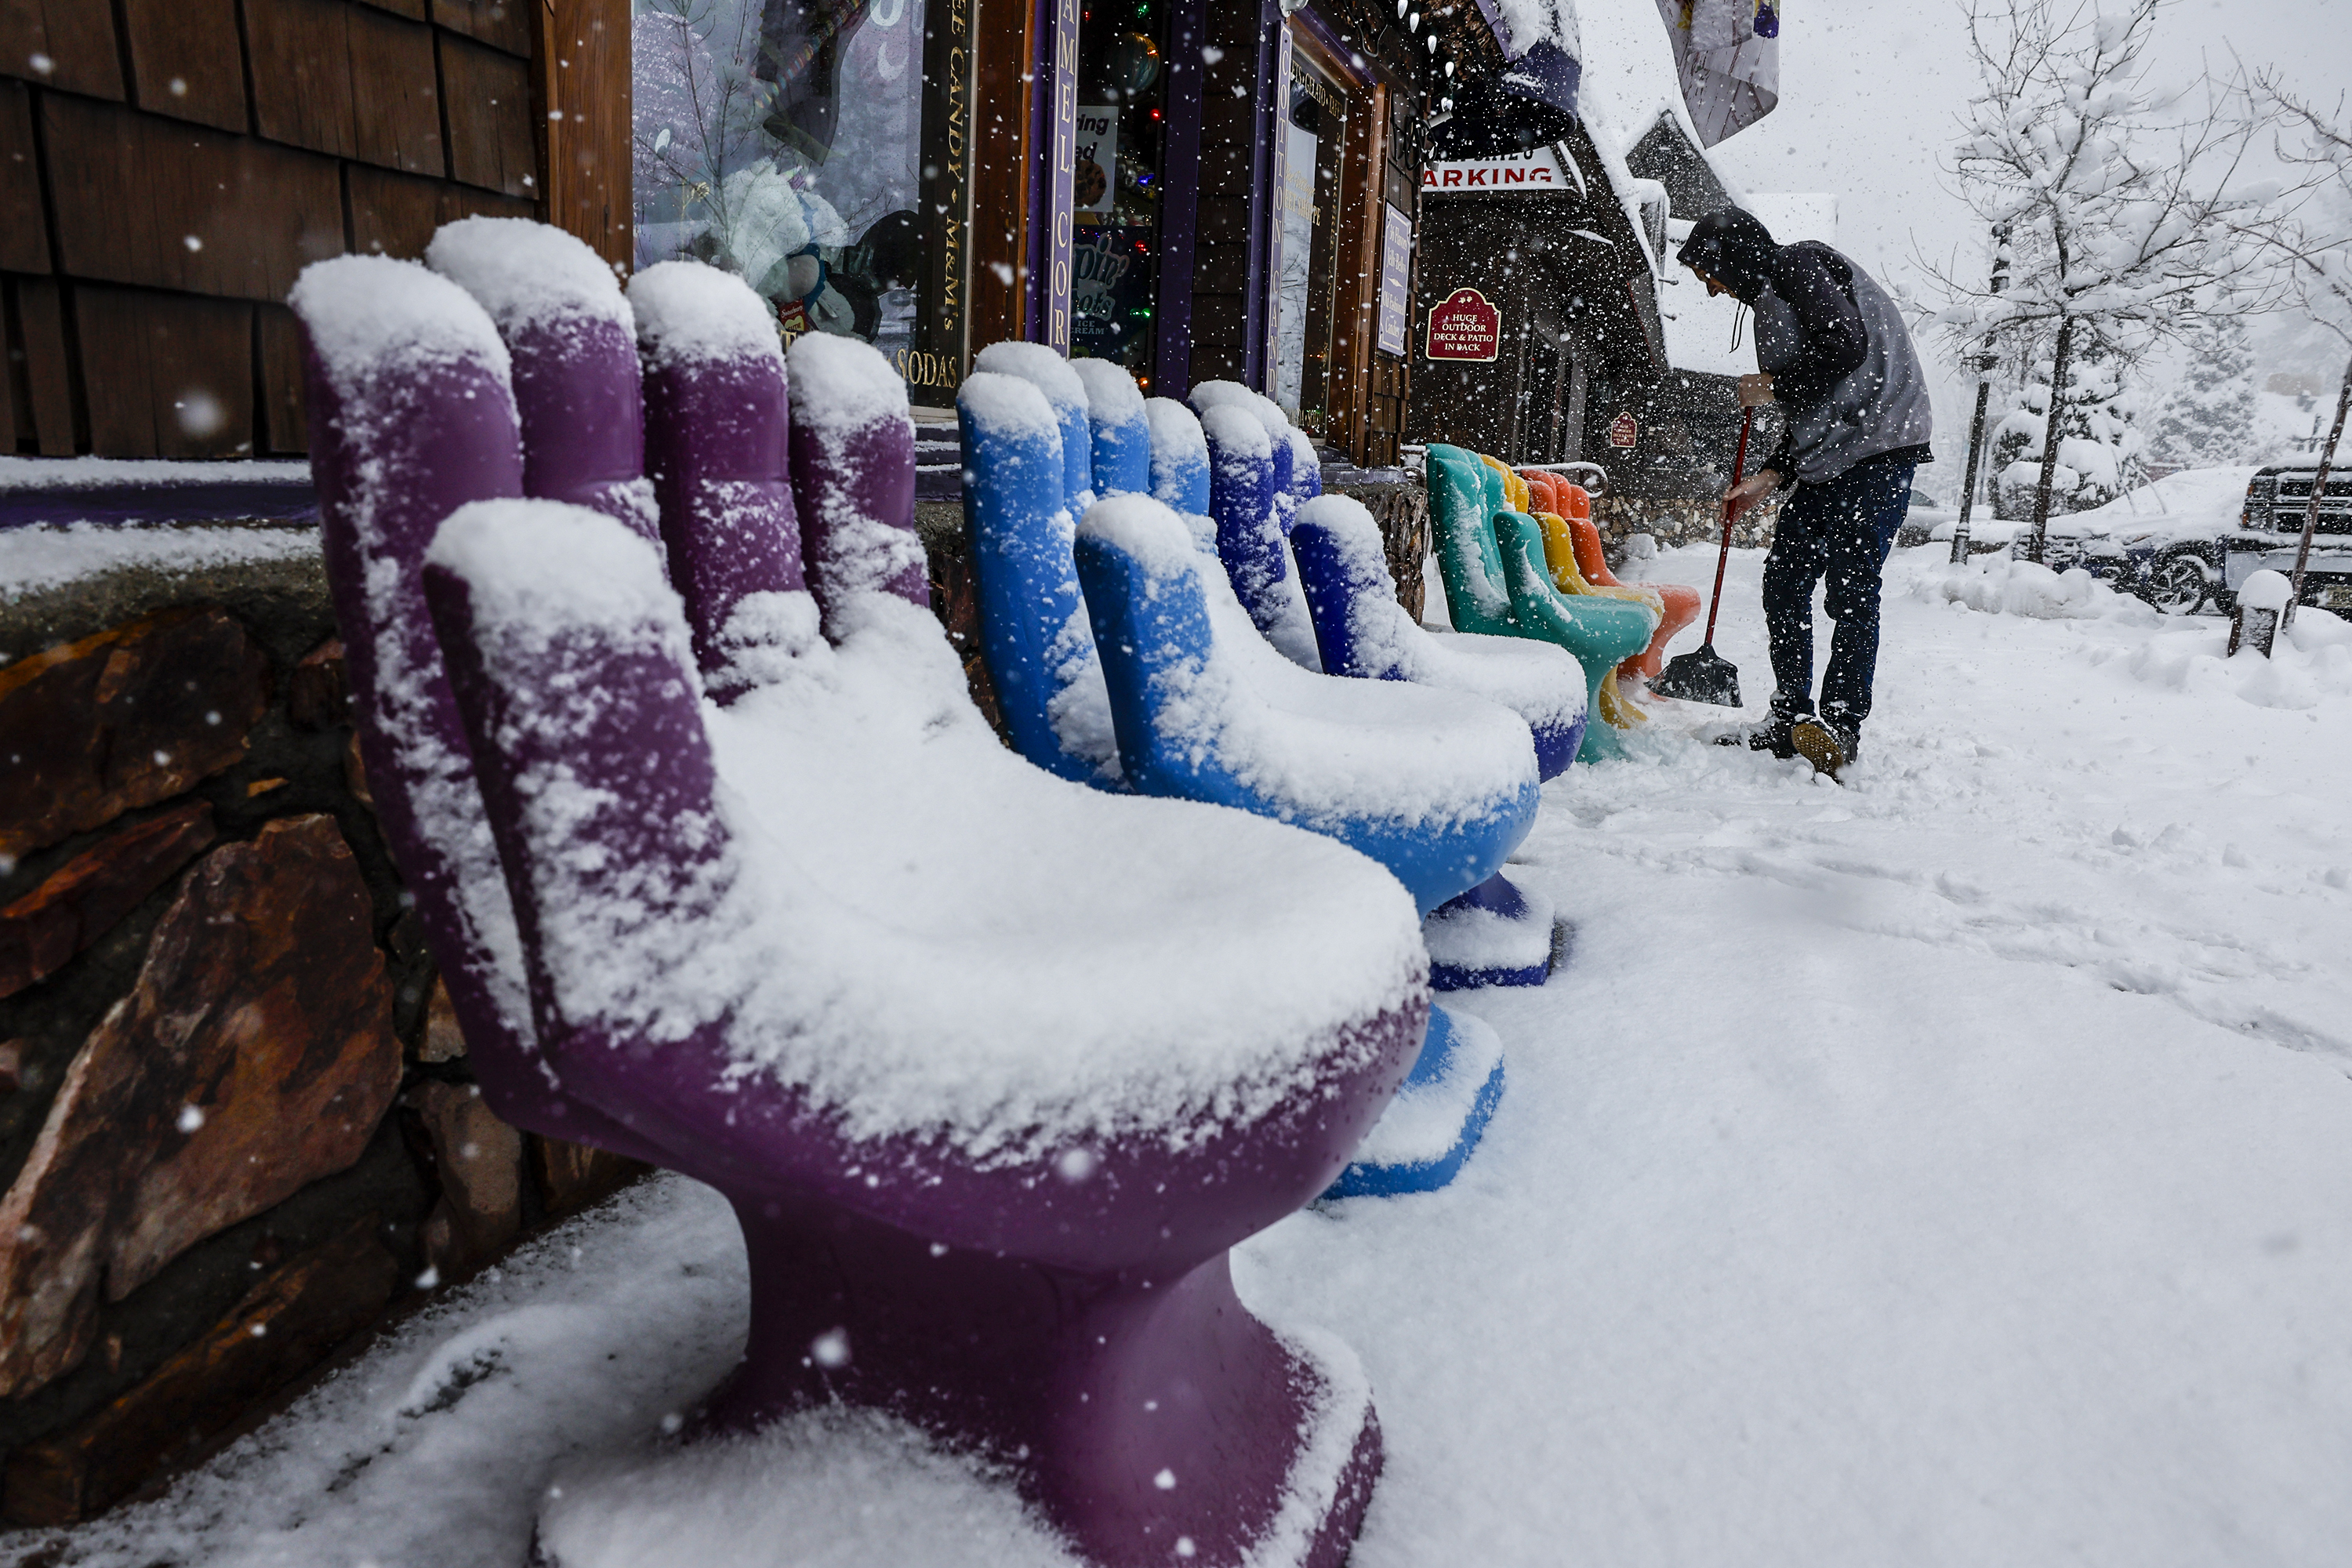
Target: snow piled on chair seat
<point x="928" y="934"/>
<point x="528" y="275"/>
<point x="1329" y="749"/>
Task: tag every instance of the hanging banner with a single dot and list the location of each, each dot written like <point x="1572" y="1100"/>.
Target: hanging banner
<point x="1396" y="279"/>
<point x="1518" y="174"/>
<point x="1728" y="56"/>
<point x="1464" y="327"/>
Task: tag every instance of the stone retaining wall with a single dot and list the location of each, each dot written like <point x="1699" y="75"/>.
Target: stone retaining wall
<point x="1679" y="521"/>
<point x="237" y="1122"/>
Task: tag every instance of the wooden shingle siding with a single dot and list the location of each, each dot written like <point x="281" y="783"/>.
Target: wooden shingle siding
<point x="503" y="25"/>
<point x="64" y="44"/>
<point x="395" y="214"/>
<point x="395" y="94"/>
<point x="346" y="80"/>
<point x="24" y="236"/>
<point x="490" y="140"/>
<point x="167" y="375"/>
<point x="301" y="73"/>
<point x="36" y="327"/>
<point x="168" y="167"/>
<point x="186" y="61"/>
<point x="135" y="192"/>
<point x="278" y="382"/>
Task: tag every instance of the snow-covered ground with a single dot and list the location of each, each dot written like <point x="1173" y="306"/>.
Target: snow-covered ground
<point x="1954" y="1167"/>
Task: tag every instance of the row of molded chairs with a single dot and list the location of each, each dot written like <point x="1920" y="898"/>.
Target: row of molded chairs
<point x="1148" y="626"/>
<point x="725" y="871"/>
<point x="1518" y="554"/>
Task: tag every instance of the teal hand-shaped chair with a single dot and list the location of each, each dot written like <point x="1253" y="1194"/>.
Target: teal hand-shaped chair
<point x="1491" y="560"/>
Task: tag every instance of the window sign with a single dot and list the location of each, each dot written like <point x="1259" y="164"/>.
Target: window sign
<point x="785" y="141"/>
<point x="1095" y="173"/>
<point x="1110" y="285"/>
<point x="1396" y="277"/>
<point x="1122" y="88"/>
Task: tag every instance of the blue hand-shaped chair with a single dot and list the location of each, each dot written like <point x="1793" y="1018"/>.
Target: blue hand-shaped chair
<point x="1495" y="934"/>
<point x="1438" y="791"/>
<point x="1255" y="489"/>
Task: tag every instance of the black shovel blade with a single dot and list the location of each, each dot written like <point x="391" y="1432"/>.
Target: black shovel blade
<point x="1704" y="676"/>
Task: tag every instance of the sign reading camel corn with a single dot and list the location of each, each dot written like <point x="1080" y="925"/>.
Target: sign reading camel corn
<point x="1463" y="326"/>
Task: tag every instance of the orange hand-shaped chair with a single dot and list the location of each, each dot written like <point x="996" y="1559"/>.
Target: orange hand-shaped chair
<point x="1576" y="544"/>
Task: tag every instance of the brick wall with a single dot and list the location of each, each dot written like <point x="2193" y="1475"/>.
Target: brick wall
<point x="168" y="166"/>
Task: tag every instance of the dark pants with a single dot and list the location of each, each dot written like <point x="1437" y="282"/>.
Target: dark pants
<point x="1841" y="530"/>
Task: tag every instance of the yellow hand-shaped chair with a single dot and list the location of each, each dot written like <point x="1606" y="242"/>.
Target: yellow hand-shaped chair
<point x="1571" y="539"/>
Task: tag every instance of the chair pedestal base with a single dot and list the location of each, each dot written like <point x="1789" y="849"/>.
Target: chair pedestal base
<point x="1495" y="934"/>
<point x="1438" y="1117"/>
<point x="1133" y="1409"/>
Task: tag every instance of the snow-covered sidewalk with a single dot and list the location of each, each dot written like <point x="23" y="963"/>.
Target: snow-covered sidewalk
<point x="1950" y="1168"/>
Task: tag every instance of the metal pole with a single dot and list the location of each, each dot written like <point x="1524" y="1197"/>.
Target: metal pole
<point x="1985" y="362"/>
<point x="1968" y="484"/>
<point x="2319" y="488"/>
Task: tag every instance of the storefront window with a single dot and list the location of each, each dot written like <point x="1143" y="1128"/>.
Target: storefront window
<point x="795" y="142"/>
<point x="1315" y="139"/>
<point x="1115" y="257"/>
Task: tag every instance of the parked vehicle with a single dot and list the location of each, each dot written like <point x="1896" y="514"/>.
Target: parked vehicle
<point x="1926" y="520"/>
<point x="2183" y="544"/>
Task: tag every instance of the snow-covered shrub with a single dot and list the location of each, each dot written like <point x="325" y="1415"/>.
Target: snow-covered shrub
<point x="1997" y="585"/>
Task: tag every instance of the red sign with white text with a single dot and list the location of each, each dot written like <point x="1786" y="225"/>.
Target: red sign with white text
<point x="1463" y="326"/>
<point x="1624" y="431"/>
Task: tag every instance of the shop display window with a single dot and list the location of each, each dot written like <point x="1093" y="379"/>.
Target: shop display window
<point x="1315" y="130"/>
<point x="1115" y="183"/>
<point x="820" y="150"/>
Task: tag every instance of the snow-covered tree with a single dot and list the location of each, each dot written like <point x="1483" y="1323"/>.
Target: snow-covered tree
<point x="2099" y="446"/>
<point x="2208" y="417"/>
<point x="2125" y="220"/>
<point x="2319" y="245"/>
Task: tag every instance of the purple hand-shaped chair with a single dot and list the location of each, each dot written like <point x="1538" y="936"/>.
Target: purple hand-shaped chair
<point x="993" y="1067"/>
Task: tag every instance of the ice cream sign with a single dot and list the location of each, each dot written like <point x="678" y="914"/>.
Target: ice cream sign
<point x="1537" y="169"/>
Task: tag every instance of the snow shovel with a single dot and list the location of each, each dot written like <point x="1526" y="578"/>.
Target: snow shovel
<point x="1706" y="676"/>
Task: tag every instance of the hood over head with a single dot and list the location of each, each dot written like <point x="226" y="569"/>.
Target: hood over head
<point x="1733" y="247"/>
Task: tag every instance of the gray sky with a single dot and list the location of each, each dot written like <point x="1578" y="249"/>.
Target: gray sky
<point x="1870" y="99"/>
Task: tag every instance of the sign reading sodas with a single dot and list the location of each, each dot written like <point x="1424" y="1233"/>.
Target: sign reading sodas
<point x="1463" y="326"/>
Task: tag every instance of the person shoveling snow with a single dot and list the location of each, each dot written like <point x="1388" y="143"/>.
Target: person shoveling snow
<point x="1832" y="351"/>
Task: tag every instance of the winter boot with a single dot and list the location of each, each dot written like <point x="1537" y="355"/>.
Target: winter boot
<point x="1826" y="744"/>
<point x="1773" y="735"/>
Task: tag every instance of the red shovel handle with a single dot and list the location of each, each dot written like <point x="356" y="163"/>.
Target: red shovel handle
<point x="1738" y="466"/>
